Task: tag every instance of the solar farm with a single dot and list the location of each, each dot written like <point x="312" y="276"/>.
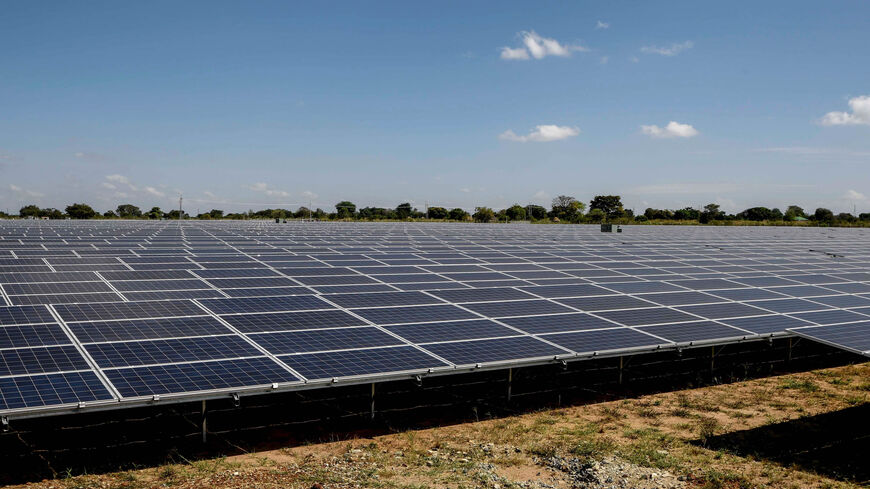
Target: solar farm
<point x="107" y="315"/>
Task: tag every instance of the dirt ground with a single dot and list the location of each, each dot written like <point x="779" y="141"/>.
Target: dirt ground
<point x="801" y="430"/>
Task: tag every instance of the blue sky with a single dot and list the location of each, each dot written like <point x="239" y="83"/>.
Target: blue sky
<point x="243" y="105"/>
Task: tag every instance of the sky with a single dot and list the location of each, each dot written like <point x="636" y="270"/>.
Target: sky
<point x="248" y="105"/>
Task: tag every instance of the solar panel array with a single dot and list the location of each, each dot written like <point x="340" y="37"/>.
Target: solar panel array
<point x="105" y="314"/>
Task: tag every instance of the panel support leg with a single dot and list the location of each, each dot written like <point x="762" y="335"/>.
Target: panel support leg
<point x="204" y="422"/>
<point x="373" y="401"/>
<point x="510" y="383"/>
<point x="788" y="358"/>
<point x="621" y="367"/>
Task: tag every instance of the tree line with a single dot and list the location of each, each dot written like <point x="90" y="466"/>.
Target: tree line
<point x="563" y="209"/>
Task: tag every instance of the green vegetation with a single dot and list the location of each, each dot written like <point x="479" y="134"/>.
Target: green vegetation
<point x="563" y="209"/>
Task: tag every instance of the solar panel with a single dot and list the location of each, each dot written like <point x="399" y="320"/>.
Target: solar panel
<point x="854" y="337"/>
<point x="197" y="377"/>
<point x="175" y="308"/>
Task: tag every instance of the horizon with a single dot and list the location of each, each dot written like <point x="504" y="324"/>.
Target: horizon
<point x="271" y="105"/>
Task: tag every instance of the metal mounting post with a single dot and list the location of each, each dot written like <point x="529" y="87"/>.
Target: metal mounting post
<point x="373" y="401"/>
<point x="204" y="422"/>
<point x="621" y="365"/>
<point x="4" y="421"/>
<point x="510" y="383"/>
<point x="236" y="401"/>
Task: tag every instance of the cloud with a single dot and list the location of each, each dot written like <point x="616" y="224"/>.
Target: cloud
<point x="604" y="60"/>
<point x="121" y="180"/>
<point x="542" y="134"/>
<point x="153" y="191"/>
<point x="514" y="53"/>
<point x="672" y="130"/>
<point x="23" y="192"/>
<point x="860" y="113"/>
<point x="535" y="46"/>
<point x="264" y="189"/>
<point x="209" y="194"/>
<point x="108" y="185"/>
<point x="465" y="190"/>
<point x="309" y="195"/>
<point x="672" y="50"/>
<point x="602" y="25"/>
<point x="854" y="195"/>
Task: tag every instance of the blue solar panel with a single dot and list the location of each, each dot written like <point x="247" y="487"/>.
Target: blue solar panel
<point x="696" y="331"/>
<point x="382" y="299"/>
<point x="141" y="329"/>
<point x="324" y="340"/>
<point x="127" y="310"/>
<point x="53" y="389"/>
<point x="414" y="314"/>
<point x="604" y="340"/>
<point x="851" y="336"/>
<point x="32" y="335"/>
<point x="25" y="315"/>
<point x="557" y="323"/>
<point x="605" y="302"/>
<point x="451" y="331"/>
<point x="265" y="304"/>
<point x="638" y="317"/>
<point x="494" y="294"/>
<point x="494" y="350"/>
<point x="41" y="360"/>
<point x="150" y="352"/>
<point x="194" y="377"/>
<point x="517" y="308"/>
<point x="361" y="362"/>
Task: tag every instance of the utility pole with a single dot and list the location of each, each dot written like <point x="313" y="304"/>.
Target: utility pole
<point x="180" y="211"/>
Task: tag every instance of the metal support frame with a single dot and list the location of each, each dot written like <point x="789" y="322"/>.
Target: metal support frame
<point x="204" y="421"/>
<point x="621" y="367"/>
<point x="4" y="421"/>
<point x="788" y="358"/>
<point x="510" y="383"/>
<point x="373" y="401"/>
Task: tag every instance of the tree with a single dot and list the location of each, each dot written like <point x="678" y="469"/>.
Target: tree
<point x="374" y="213"/>
<point x="458" y="214"/>
<point x="687" y="214"/>
<point x="823" y="215"/>
<point x="596" y="215"/>
<point x="793" y="212"/>
<point x="52" y="213"/>
<point x="483" y="214"/>
<point x="567" y="208"/>
<point x="127" y="211"/>
<point x="516" y="212"/>
<point x="711" y="212"/>
<point x="80" y="211"/>
<point x="345" y="209"/>
<point x="437" y="213"/>
<point x="611" y="205"/>
<point x="176" y="214"/>
<point x="537" y="211"/>
<point x="651" y="213"/>
<point x="403" y="211"/>
<point x="110" y="214"/>
<point x="864" y="216"/>
<point x="847" y="218"/>
<point x="216" y="214"/>
<point x="155" y="213"/>
<point x="759" y="214"/>
<point x="29" y="211"/>
<point x="302" y="213"/>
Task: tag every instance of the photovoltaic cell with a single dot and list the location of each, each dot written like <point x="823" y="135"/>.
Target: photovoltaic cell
<point x="128" y="353"/>
<point x="494" y="350"/>
<point x="324" y="340"/>
<point x="50" y="390"/>
<point x="361" y="362"/>
<point x="195" y="377"/>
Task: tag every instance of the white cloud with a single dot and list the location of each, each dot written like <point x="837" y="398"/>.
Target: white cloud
<point x="309" y="195"/>
<point x="672" y="130"/>
<point x="854" y="195"/>
<point x="542" y="195"/>
<point x="634" y="59"/>
<point x="602" y="25"/>
<point x="604" y="60"/>
<point x="535" y="46"/>
<point x="542" y="134"/>
<point x="860" y="113"/>
<point x="108" y="185"/>
<point x="153" y="191"/>
<point x="122" y="180"/>
<point x="25" y="192"/>
<point x="514" y="53"/>
<point x="209" y="194"/>
<point x="465" y="190"/>
<point x="264" y="189"/>
<point x="672" y="50"/>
